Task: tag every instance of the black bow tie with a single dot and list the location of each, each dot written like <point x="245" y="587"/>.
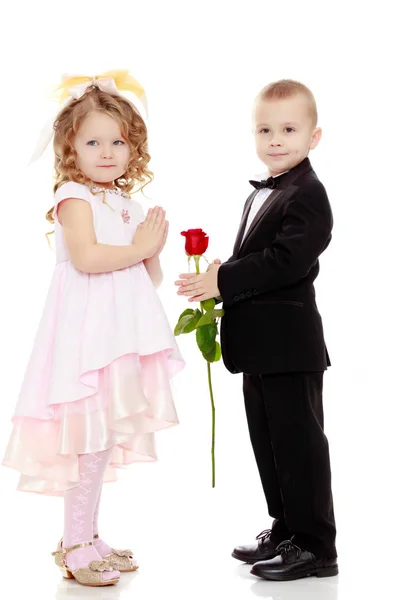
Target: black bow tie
<point x="271" y="182"/>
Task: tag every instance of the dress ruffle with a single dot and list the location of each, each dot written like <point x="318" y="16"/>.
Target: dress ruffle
<point x="102" y="382"/>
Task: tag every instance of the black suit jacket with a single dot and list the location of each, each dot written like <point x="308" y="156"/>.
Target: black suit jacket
<point x="271" y="322"/>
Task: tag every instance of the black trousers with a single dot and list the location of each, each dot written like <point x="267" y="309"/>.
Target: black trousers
<point x="286" y="425"/>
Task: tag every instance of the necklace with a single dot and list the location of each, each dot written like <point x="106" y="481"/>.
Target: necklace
<point x="115" y="190"/>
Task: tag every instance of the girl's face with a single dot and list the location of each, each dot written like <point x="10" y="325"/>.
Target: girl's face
<point x="102" y="152"/>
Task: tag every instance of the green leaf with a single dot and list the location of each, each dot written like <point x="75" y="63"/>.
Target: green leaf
<point x="208" y="304"/>
<point x="188" y="311"/>
<point x="187" y="321"/>
<point x="205" y="337"/>
<point x="210" y="316"/>
<point x="215" y="353"/>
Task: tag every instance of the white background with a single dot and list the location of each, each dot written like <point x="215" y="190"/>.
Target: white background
<point x="201" y="65"/>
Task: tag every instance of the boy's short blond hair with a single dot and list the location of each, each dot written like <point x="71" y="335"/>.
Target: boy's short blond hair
<point x="287" y="88"/>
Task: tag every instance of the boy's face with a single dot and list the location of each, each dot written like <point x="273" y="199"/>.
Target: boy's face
<point x="284" y="132"/>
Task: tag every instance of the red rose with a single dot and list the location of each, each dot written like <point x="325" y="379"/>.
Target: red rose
<point x="196" y="242"/>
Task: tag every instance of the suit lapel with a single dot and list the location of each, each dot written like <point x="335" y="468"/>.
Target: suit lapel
<point x="265" y="207"/>
<point x="288" y="188"/>
<point x="243" y="222"/>
<point x="282" y="195"/>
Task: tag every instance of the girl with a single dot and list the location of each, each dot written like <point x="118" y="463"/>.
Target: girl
<point x="97" y="383"/>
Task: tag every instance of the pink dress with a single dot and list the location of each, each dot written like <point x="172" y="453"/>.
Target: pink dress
<point x="98" y="376"/>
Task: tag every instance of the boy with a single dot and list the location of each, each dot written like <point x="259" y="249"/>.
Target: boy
<point x="272" y="332"/>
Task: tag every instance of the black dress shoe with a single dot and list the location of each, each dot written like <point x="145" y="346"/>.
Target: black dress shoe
<point x="291" y="562"/>
<point x="264" y="549"/>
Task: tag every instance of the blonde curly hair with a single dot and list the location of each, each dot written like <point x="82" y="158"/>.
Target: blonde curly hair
<point x="133" y="129"/>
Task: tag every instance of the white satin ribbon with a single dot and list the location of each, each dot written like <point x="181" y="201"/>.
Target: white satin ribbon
<point x="107" y="85"/>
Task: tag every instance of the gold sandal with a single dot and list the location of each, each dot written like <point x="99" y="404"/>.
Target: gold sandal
<point x="121" y="560"/>
<point x="92" y="575"/>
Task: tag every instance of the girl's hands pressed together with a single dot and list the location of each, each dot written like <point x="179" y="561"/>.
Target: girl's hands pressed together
<point x="163" y="242"/>
<point x="150" y="236"/>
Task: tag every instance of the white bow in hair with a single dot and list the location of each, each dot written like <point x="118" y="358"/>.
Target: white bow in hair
<point x="75" y="86"/>
<point x="105" y="84"/>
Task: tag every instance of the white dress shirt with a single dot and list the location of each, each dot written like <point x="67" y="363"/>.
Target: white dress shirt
<point x="257" y="203"/>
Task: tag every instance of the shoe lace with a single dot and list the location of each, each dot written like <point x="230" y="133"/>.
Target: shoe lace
<point x="264" y="535"/>
<point x="286" y="547"/>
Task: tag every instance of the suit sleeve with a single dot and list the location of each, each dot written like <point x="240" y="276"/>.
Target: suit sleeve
<point x="304" y="234"/>
<point x="219" y="299"/>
